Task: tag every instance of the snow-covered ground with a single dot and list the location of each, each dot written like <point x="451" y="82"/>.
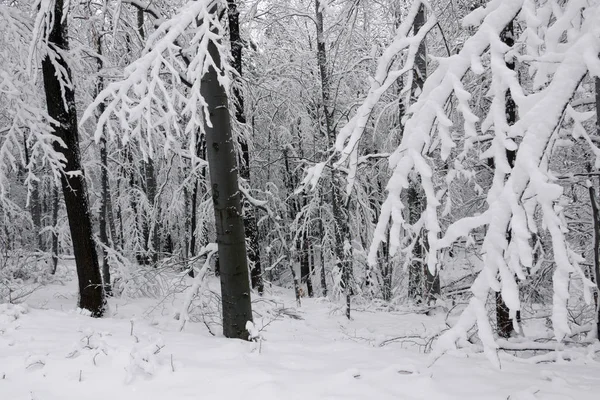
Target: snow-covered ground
<point x="50" y="352"/>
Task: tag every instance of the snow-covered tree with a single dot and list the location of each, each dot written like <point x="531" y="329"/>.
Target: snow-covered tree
<point x="560" y="45"/>
<point x="149" y="105"/>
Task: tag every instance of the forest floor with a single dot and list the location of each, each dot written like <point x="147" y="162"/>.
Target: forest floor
<point x="49" y="351"/>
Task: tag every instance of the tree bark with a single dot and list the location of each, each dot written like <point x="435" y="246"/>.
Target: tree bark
<point x="292" y="206"/>
<point x="151" y="231"/>
<point x="61" y="107"/>
<point x="596" y="222"/>
<point x="305" y="265"/>
<point x="321" y="233"/>
<point x="150" y="223"/>
<point x="503" y="321"/>
<point x="250" y="224"/>
<point x="235" y="287"/>
<point x="36" y="214"/>
<point x="200" y="153"/>
<point x="423" y="285"/>
<point x="55" y="205"/>
<point x="340" y="215"/>
<point x="596" y="256"/>
<point x="35" y="208"/>
<point x="104" y="186"/>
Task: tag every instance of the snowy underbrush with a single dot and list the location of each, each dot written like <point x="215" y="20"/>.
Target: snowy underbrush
<point x="137" y="281"/>
<point x="201" y="303"/>
<point x="132" y="280"/>
<point x="533" y="340"/>
<point x="23" y="272"/>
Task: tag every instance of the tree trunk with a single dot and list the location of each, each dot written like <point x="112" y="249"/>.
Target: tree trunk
<point x="503" y="321"/>
<point x="104" y="188"/>
<point x="596" y="256"/>
<point x="141" y="254"/>
<point x="119" y="215"/>
<point x="341" y="228"/>
<point x="200" y="153"/>
<point x="596" y="223"/>
<point x="61" y="107"/>
<point x="150" y="221"/>
<point x="423" y="285"/>
<point x="36" y="213"/>
<point x="111" y="221"/>
<point x="235" y="287"/>
<point x="292" y="206"/>
<point x="151" y="225"/>
<point x="305" y="265"/>
<point x="55" y="205"/>
<point x="387" y="270"/>
<point x="321" y="234"/>
<point x="104" y="216"/>
<point x="250" y="224"/>
<point x="193" y="213"/>
<point x="35" y="208"/>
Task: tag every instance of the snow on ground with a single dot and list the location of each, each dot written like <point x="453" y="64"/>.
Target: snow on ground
<point x="48" y="351"/>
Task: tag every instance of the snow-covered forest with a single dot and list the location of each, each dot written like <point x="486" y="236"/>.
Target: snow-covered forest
<point x="300" y="199"/>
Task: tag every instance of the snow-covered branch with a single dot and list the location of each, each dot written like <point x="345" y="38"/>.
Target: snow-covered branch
<point x="149" y="104"/>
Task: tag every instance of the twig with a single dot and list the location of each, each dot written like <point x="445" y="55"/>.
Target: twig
<point x="208" y="327"/>
<point x="39" y="362"/>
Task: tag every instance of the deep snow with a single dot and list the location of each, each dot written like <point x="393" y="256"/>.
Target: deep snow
<point x="48" y="351"/>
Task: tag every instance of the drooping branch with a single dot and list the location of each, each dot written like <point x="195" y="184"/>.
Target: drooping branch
<point x="148" y="106"/>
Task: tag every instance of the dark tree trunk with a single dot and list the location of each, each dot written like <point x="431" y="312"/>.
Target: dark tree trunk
<point x="119" y="214"/>
<point x="340" y="215"/>
<point x="304" y="244"/>
<point x="149" y="224"/>
<point x="305" y="265"/>
<point x="55" y="205"/>
<point x="104" y="188"/>
<point x="250" y="224"/>
<point x="104" y="216"/>
<point x="111" y="221"/>
<point x="193" y="213"/>
<point x="423" y="285"/>
<point x="503" y="321"/>
<point x="387" y="270"/>
<point x="151" y="232"/>
<point x="36" y="213"/>
<point x="386" y="267"/>
<point x="91" y="293"/>
<point x="200" y="153"/>
<point x="292" y="207"/>
<point x="321" y="234"/>
<point x="235" y="287"/>
<point x="35" y="208"/>
<point x="141" y="254"/>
